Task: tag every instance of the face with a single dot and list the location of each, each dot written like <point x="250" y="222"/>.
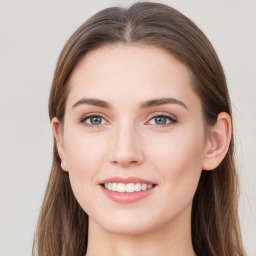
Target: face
<point x="133" y="117"/>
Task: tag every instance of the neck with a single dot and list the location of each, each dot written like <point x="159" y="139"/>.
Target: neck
<point x="171" y="239"/>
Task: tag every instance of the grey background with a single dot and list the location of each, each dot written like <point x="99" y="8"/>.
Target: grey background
<point x="32" y="34"/>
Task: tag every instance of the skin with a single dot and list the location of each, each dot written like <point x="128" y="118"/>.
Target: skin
<point x="130" y="142"/>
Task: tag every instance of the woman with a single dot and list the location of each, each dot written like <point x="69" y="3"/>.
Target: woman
<point x="143" y="150"/>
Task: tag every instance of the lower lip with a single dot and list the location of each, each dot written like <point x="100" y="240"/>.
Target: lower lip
<point x="127" y="197"/>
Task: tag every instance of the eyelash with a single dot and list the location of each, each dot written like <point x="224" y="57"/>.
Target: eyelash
<point x="172" y="119"/>
<point x="83" y="119"/>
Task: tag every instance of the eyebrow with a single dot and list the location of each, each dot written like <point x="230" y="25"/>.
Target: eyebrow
<point x="90" y="101"/>
<point x="162" y="101"/>
<point x="146" y="104"/>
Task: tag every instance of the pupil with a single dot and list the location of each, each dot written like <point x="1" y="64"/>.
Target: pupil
<point x="160" y="120"/>
<point x="95" y="120"/>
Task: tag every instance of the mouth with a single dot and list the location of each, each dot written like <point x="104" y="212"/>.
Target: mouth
<point x="127" y="190"/>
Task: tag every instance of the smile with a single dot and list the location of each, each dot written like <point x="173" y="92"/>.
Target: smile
<point x="127" y="190"/>
<point x="130" y="187"/>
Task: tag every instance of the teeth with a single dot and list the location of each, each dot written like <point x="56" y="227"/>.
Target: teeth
<point x="120" y="187"/>
<point x="114" y="186"/>
<point x="130" y="187"/>
<point x="144" y="187"/>
<point x="137" y="187"/>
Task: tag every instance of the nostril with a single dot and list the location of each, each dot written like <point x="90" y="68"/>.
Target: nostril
<point x="124" y="162"/>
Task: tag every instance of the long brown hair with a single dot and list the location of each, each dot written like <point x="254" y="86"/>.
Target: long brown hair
<point x="63" y="225"/>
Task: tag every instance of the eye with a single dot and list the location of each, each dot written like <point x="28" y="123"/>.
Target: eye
<point x="162" y="120"/>
<point x="93" y="120"/>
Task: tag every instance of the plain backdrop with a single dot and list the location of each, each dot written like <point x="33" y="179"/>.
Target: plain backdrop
<point x="32" y="34"/>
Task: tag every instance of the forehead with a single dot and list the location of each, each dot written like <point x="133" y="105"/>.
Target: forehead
<point x="120" y="72"/>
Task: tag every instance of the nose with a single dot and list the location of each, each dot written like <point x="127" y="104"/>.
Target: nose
<point x="126" y="147"/>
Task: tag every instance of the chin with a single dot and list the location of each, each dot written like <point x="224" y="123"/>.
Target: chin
<point x="128" y="229"/>
<point x="129" y="224"/>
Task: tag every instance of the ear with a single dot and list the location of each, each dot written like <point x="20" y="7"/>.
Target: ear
<point x="58" y="134"/>
<point x="218" y="141"/>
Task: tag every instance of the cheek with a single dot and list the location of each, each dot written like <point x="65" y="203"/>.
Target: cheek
<point x="83" y="150"/>
<point x="178" y="158"/>
<point x="84" y="154"/>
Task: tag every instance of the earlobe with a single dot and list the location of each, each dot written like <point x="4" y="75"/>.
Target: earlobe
<point x="59" y="142"/>
<point x="218" y="142"/>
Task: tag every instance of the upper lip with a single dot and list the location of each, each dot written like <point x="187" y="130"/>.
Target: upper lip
<point x="126" y="180"/>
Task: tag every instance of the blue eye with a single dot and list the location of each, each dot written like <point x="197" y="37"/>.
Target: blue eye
<point x="161" y="120"/>
<point x="97" y="120"/>
<point x="93" y="120"/>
